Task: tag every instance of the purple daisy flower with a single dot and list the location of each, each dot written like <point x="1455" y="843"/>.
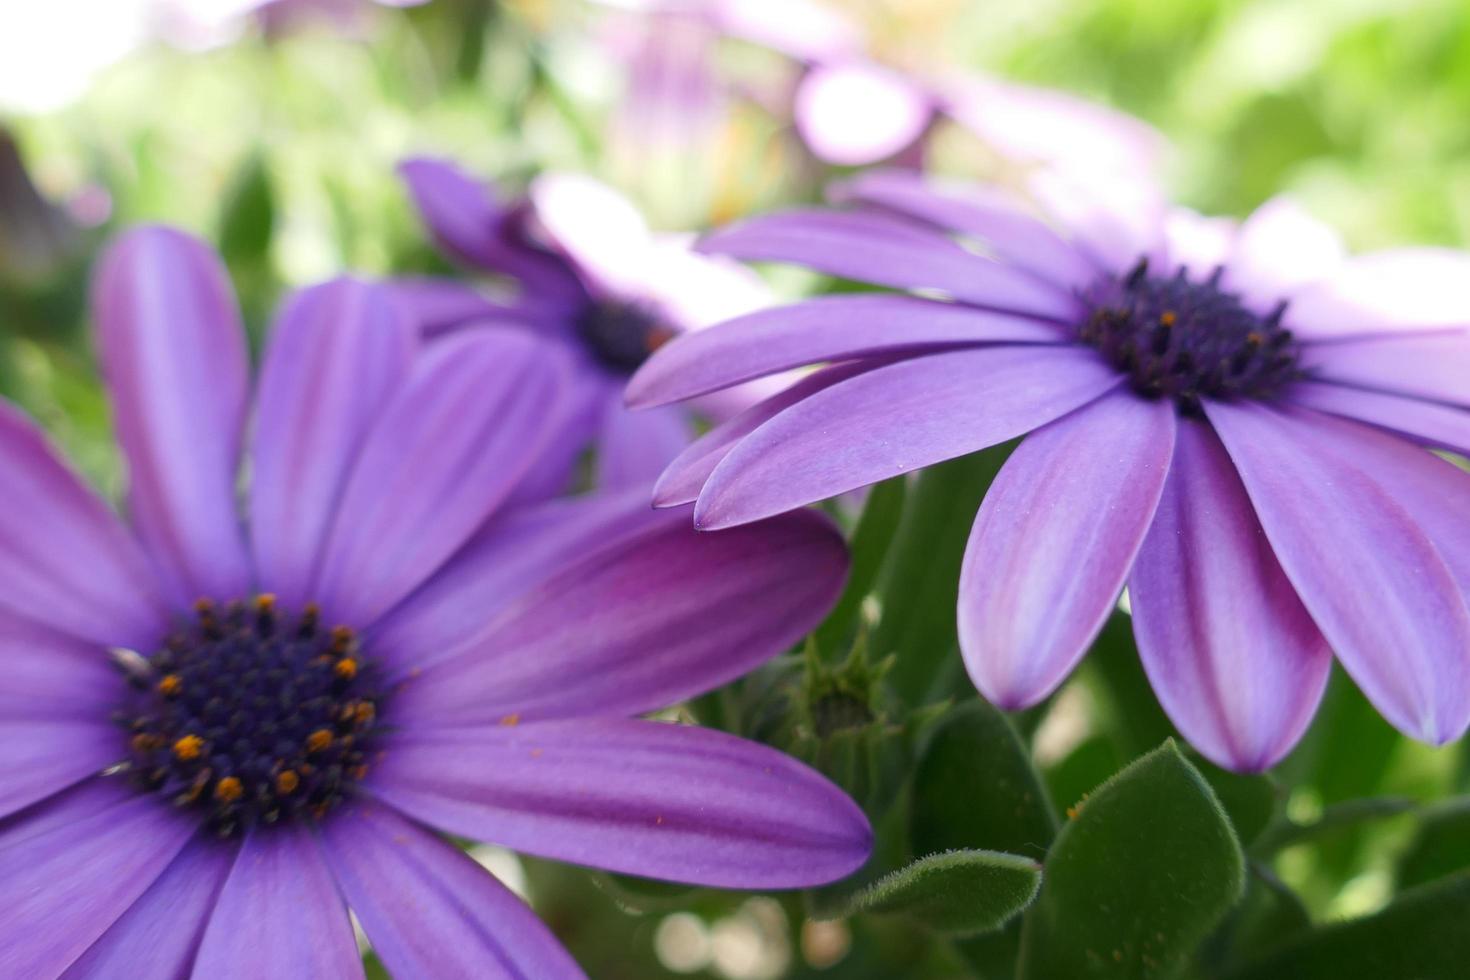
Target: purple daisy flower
<point x="1232" y="421"/>
<point x="381" y="652"/>
<point x="853" y="110"/>
<point x="592" y="276"/>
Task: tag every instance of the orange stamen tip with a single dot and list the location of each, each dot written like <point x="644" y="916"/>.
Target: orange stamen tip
<point x="346" y="668"/>
<point x="364" y="712"/>
<point x="228" y="790"/>
<point x="146" y="742"/>
<point x="318" y="740"/>
<point x="286" y="782"/>
<point x="511" y="720"/>
<point x="1169" y="318"/>
<point x="265" y="601"/>
<point x="170" y="685"/>
<point x="189" y="747"/>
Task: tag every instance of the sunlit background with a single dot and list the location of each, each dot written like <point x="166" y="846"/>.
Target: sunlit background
<point x="275" y="132"/>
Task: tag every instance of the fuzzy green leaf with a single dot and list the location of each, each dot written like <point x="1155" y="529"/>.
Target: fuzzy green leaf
<point x="975" y="786"/>
<point x="958" y="892"/>
<point x="1145" y="869"/>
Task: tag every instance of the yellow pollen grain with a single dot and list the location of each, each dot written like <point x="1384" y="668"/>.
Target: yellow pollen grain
<point x="318" y="740"/>
<point x="170" y="685"/>
<point x="228" y="790"/>
<point x="189" y="747"/>
<point x="286" y="782"/>
<point x="346" y="668"/>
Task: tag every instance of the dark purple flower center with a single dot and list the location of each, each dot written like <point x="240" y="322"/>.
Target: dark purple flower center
<point x="621" y="335"/>
<point x="1186" y="340"/>
<point x="249" y="717"/>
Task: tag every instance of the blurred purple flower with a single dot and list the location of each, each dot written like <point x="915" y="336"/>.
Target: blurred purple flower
<point x="592" y="276"/>
<point x="255" y="773"/>
<point x="1233" y="421"/>
<point x="853" y="110"/>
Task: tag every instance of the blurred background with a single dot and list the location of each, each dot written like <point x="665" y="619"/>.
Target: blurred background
<point x="274" y="130"/>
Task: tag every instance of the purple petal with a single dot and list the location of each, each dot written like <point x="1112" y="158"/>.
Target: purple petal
<point x="1426" y="422"/>
<point x="50" y="675"/>
<point x="633" y="448"/>
<point x="1394" y="290"/>
<point x="692" y="290"/>
<point x="513" y="553"/>
<point x="889" y="251"/>
<point x="1053" y="543"/>
<point x="1197" y="243"/>
<point x="600" y="232"/>
<point x="41" y="756"/>
<point x="428" y="909"/>
<point x="1359" y="558"/>
<point x="983" y="213"/>
<point x="1279" y="249"/>
<point x="1115" y="220"/>
<point x="686" y="475"/>
<point x="1050" y="128"/>
<point x="159" y="935"/>
<point x="1232" y="654"/>
<point x="1432" y="366"/>
<point x="468" y="222"/>
<point x="339" y="352"/>
<point x="830" y="328"/>
<point x="437" y="306"/>
<point x="72" y="866"/>
<point x="662" y="801"/>
<point x="896" y="419"/>
<point x="173" y="352"/>
<point x="650" y="620"/>
<point x="280" y="912"/>
<point x="65" y="560"/>
<point x="856" y="112"/>
<point x="559" y="467"/>
<point x="451" y="446"/>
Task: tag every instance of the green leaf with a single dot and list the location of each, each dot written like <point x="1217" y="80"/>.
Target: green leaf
<point x="974" y="786"/>
<point x="1145" y="869"/>
<point x="1421" y="936"/>
<point x="1440" y="847"/>
<point x="919" y="584"/>
<point x="1268" y="915"/>
<point x="1251" y="801"/>
<point x="248" y="216"/>
<point x="1335" y="819"/>
<point x="958" y="892"/>
<point x="1130" y="709"/>
<point x="869" y="546"/>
